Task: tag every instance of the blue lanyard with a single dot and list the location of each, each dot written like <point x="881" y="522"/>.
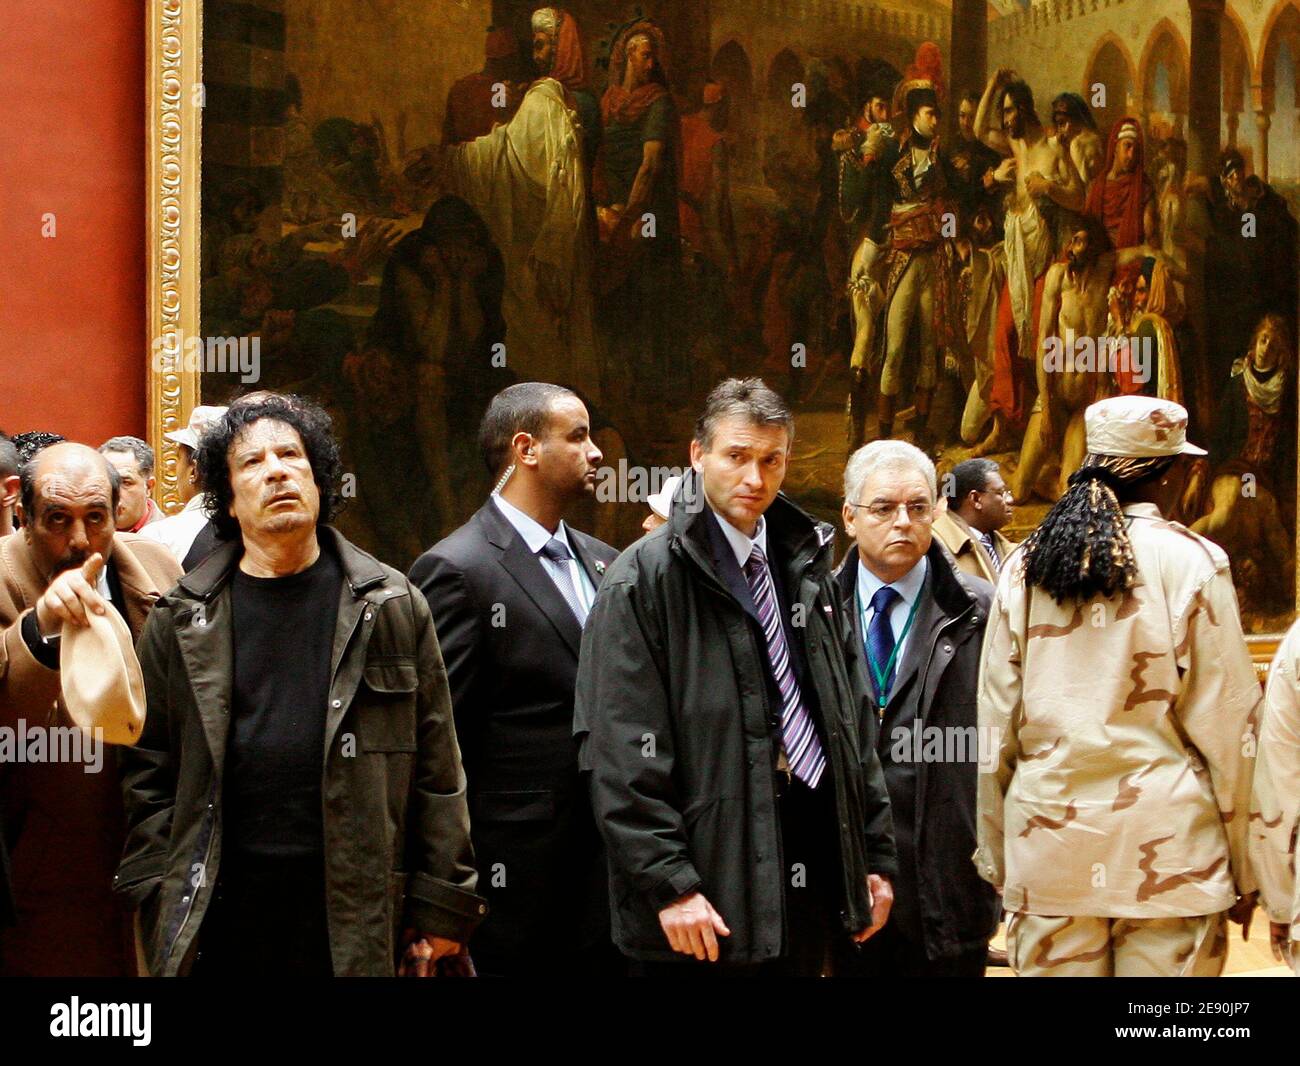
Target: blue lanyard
<point x="882" y="676"/>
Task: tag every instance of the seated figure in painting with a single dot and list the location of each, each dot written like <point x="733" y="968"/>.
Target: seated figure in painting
<point x="1160" y="314"/>
<point x="1253" y="439"/>
<point x="1097" y="338"/>
<point x="437" y="339"/>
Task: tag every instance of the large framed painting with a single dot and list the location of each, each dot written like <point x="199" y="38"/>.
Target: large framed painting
<point x="399" y="207"/>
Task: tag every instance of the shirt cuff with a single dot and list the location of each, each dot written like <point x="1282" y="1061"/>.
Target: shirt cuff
<point x="45" y="654"/>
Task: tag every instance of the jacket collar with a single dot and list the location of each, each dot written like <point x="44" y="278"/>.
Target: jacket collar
<point x="139" y="590"/>
<point x="362" y="571"/>
<point x="944" y="597"/>
<point x="794" y="537"/>
<point x="945" y="585"/>
<point x="725" y="565"/>
<point x="965" y="535"/>
<point x="969" y="537"/>
<point x="29" y="583"/>
<point x="501" y="532"/>
<point x="526" y="568"/>
<point x="1143" y="510"/>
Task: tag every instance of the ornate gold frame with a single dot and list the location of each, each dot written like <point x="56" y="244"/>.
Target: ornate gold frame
<point x="174" y="71"/>
<point x="173" y="68"/>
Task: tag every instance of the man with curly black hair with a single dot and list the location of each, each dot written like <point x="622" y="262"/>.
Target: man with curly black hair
<point x="297" y="801"/>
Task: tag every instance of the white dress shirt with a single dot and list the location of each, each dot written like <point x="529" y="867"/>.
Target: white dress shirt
<point x="741" y="545"/>
<point x="179" y="530"/>
<point x="908" y="588"/>
<point x="101" y="586"/>
<point x="537" y="536"/>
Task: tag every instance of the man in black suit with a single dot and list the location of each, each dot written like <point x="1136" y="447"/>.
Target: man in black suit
<point x="510" y="591"/>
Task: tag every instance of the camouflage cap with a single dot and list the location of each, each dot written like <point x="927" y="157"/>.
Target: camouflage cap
<point x="1140" y="427"/>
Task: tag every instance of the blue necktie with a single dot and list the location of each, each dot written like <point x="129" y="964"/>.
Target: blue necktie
<point x="880" y="638"/>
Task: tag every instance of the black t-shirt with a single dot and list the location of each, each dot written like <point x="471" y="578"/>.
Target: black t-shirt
<point x="284" y="638"/>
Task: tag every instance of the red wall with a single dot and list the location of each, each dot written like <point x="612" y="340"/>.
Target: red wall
<point x="73" y="323"/>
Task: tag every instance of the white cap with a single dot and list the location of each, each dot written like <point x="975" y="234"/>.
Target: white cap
<point x="661" y="502"/>
<point x="200" y="419"/>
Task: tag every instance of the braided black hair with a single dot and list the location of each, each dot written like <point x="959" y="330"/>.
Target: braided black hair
<point x="1082" y="548"/>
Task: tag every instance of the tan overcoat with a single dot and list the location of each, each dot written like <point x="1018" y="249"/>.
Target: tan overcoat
<point x="65" y="825"/>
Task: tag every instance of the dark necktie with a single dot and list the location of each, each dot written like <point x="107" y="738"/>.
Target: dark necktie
<point x="992" y="550"/>
<point x="559" y="554"/>
<point x="803" y="750"/>
<point x="880" y="640"/>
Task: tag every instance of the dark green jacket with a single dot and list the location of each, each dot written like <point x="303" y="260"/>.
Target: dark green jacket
<point x="680" y="732"/>
<point x="397" y="847"/>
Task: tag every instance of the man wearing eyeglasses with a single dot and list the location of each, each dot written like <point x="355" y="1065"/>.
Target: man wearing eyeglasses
<point x="979" y="506"/>
<point x="919" y="624"/>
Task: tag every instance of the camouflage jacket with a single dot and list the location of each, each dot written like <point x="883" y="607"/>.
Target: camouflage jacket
<point x="1275" y="808"/>
<point x="1125" y="733"/>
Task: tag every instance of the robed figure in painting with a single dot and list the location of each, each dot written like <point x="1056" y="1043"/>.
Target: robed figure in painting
<point x="639" y="215"/>
<point x="1122" y="197"/>
<point x="528" y="181"/>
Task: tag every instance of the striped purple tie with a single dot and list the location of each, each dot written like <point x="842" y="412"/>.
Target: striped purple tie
<point x="803" y="749"/>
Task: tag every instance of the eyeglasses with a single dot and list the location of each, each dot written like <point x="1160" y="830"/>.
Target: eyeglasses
<point x="917" y="510"/>
<point x="1005" y="492"/>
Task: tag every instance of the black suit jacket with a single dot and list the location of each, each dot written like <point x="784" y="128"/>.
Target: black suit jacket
<point x="6" y="890"/>
<point x="510" y="642"/>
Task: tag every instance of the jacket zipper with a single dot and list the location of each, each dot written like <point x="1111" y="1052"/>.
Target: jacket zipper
<point x="929" y="657"/>
<point x="921" y="774"/>
<point x="368" y="607"/>
<point x="925" y="676"/>
<point x="802" y="567"/>
<point x="361" y="615"/>
<point x="850" y="919"/>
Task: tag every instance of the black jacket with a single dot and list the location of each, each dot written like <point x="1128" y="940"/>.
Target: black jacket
<point x="6" y="889"/>
<point x="680" y="731"/>
<point x="510" y="642"/>
<point x="397" y="848"/>
<point x="938" y="893"/>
